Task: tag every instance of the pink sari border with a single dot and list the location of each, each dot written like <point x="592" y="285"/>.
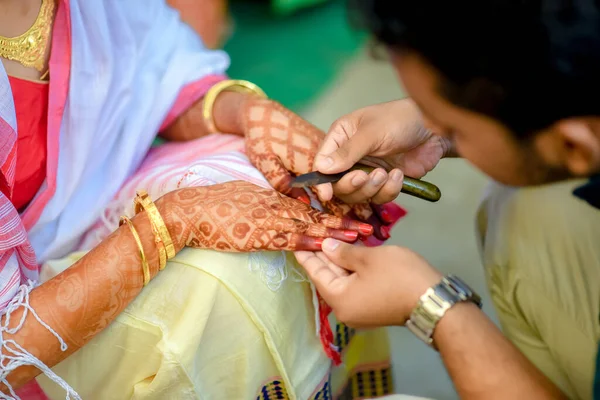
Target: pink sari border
<point x="190" y="94"/>
<point x="60" y="69"/>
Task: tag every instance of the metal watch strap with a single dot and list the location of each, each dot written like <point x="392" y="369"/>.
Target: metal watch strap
<point x="436" y="301"/>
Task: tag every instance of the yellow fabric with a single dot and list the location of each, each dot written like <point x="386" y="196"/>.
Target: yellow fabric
<point x="541" y="252"/>
<point x="205" y="328"/>
<point x="366" y="371"/>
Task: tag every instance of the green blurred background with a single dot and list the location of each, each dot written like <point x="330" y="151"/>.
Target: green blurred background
<point x="291" y="48"/>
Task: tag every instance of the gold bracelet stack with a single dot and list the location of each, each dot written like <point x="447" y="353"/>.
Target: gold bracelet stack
<point x="166" y="249"/>
<point x="233" y="85"/>
<point x="138" y="241"/>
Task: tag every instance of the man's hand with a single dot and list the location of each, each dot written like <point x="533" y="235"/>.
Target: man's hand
<point x="282" y="145"/>
<point x="369" y="287"/>
<point x="392" y="131"/>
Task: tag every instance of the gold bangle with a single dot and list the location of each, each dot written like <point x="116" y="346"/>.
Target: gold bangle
<point x="143" y="202"/>
<point x="233" y="85"/>
<point x="138" y="241"/>
<point x="162" y="251"/>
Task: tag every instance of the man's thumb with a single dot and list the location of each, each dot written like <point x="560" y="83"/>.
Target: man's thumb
<point x="339" y="154"/>
<point x="344" y="255"/>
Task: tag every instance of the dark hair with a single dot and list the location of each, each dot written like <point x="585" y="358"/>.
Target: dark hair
<point x="525" y="63"/>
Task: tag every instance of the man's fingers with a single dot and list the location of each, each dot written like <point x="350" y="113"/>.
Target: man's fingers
<point x="374" y="182"/>
<point x="391" y="189"/>
<point x="339" y="271"/>
<point x="345" y="255"/>
<point x="350" y="183"/>
<point x="320" y="273"/>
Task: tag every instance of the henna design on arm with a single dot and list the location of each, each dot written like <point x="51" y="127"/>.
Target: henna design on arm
<point x="81" y="301"/>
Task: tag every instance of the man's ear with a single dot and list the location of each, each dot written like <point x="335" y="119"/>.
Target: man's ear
<point x="578" y="141"/>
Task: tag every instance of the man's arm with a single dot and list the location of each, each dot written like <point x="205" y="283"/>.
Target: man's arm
<point x="370" y="287"/>
<point x="482" y="363"/>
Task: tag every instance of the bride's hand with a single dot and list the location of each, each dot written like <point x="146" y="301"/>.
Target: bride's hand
<point x="242" y="217"/>
<point x="282" y="145"/>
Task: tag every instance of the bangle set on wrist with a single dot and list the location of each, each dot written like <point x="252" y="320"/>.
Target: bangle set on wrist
<point x="162" y="238"/>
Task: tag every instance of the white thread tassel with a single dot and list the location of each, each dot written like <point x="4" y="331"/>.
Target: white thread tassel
<point x="16" y="356"/>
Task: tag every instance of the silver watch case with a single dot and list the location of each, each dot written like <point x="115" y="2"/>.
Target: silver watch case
<point x="436" y="301"/>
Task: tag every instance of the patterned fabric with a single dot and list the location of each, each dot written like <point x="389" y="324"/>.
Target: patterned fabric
<point x="343" y="336"/>
<point x="365" y="381"/>
<point x="324" y="393"/>
<point x="275" y="390"/>
<point x="370" y="383"/>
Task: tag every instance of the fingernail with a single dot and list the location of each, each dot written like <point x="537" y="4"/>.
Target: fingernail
<point x="351" y="235"/>
<point x="324" y="162"/>
<point x="386" y="216"/>
<point x="358" y="180"/>
<point x="378" y="178"/>
<point x="330" y="244"/>
<point x="319" y="242"/>
<point x="365" y="229"/>
<point x="385" y="232"/>
<point x="396" y="175"/>
<point x="305" y="199"/>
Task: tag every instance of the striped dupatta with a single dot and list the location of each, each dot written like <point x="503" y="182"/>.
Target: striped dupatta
<point x="17" y="257"/>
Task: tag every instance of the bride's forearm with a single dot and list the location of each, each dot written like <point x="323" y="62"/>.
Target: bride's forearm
<point x="227" y="116"/>
<point x="81" y="301"/>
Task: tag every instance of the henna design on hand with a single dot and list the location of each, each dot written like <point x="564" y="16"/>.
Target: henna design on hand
<point x="242" y="217"/>
<point x="281" y="145"/>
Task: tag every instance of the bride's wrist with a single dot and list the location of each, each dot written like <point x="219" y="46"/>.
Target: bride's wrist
<point x="228" y="112"/>
<point x="224" y="106"/>
<point x="167" y="207"/>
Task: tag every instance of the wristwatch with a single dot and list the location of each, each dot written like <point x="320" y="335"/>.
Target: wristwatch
<point x="434" y="304"/>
